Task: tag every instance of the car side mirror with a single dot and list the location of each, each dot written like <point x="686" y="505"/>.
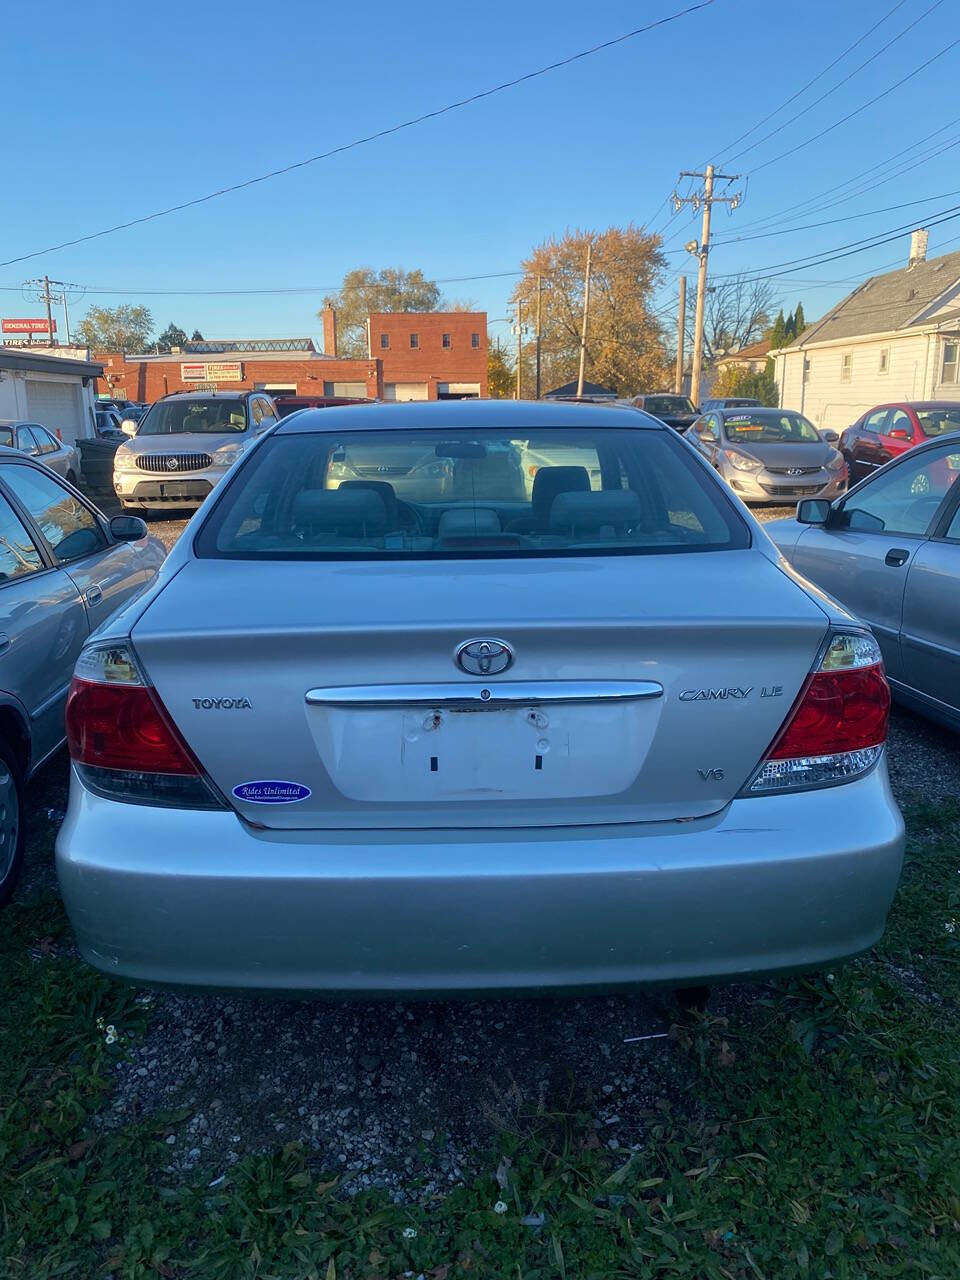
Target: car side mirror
<point x="898" y="433"/>
<point x="831" y="437"/>
<point x="129" y="427"/>
<point x="127" y="528"/>
<point x="813" y="511"/>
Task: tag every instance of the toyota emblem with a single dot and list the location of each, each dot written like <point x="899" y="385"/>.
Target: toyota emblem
<point x="484" y="657"/>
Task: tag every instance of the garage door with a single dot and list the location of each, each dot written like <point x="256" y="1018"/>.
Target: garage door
<point x="55" y="405"/>
<point x="357" y="390"/>
<point x="404" y="391"/>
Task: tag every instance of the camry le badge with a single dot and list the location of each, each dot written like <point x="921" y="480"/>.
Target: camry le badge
<point x="484" y="657"/>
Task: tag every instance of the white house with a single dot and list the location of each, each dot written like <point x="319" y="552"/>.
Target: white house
<point x="896" y="337"/>
<point x="57" y="390"/>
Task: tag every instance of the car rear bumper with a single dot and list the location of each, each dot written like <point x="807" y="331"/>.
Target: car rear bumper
<point x="199" y="898"/>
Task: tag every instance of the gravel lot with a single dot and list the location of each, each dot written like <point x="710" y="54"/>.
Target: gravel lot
<point x="406" y="1095"/>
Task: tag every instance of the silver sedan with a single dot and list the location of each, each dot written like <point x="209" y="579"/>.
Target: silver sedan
<point x="770" y="455"/>
<point x="38" y="442"/>
<point x="476" y="738"/>
<point x="890" y="550"/>
<point x="64" y="570"/>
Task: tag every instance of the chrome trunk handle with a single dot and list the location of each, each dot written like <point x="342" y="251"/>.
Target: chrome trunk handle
<point x="483" y="697"/>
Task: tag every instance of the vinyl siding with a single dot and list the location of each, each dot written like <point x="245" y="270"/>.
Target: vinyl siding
<point x="912" y="374"/>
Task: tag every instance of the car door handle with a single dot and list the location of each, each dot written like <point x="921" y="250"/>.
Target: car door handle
<point x="896" y="557"/>
<point x="94" y="595"/>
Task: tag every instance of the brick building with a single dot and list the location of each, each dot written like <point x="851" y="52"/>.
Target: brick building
<point x="430" y="356"/>
<point x="413" y="356"/>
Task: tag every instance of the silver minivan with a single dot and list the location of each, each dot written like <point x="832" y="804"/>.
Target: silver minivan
<point x="185" y="444"/>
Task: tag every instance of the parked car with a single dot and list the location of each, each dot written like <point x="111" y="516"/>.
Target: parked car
<point x="675" y="411"/>
<point x="770" y="455"/>
<point x="109" y="424"/>
<point x="892" y="429"/>
<point x="185" y="444"/>
<point x="64" y="569"/>
<point x="337" y="748"/>
<point x="37" y="442"/>
<point x="290" y="404"/>
<point x="890" y="551"/>
<point x="731" y="402"/>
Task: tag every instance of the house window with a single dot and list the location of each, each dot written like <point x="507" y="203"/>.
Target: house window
<point x="884" y="360"/>
<point x="846" y="367"/>
<point x="445" y="340"/>
<point x="384" y="342"/>
<point x="414" y="341"/>
<point x="475" y="340"/>
<point x="948" y="370"/>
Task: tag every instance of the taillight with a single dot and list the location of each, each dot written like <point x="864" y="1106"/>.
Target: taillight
<point x="122" y="742"/>
<point x="836" y="729"/>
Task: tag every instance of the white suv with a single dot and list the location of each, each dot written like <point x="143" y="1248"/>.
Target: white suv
<point x="185" y="444"/>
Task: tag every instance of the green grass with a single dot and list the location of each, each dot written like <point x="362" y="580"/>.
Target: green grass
<point x="821" y="1139"/>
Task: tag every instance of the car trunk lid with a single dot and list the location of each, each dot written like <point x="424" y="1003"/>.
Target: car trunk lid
<point x="339" y="681"/>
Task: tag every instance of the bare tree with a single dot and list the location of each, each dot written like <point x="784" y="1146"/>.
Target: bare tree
<point x="736" y="313"/>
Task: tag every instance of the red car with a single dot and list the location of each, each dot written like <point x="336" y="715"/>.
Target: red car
<point x="290" y="404"/>
<point x="891" y="429"/>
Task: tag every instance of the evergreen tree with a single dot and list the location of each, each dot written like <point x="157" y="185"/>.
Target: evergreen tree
<point x="778" y="334"/>
<point x="799" y="323"/>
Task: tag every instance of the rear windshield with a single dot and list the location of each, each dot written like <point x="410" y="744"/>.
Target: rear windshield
<point x="430" y="494"/>
<point x="937" y="422"/>
<point x="667" y="404"/>
<point x="770" y="428"/>
<point x="193" y="417"/>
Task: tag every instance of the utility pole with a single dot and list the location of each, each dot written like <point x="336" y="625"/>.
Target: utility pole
<point x="681" y="327"/>
<point x="586" y="316"/>
<point x="519" y="349"/>
<point x="539" y="306"/>
<point x="46" y="295"/>
<point x="701" y="252"/>
<point x="48" y="292"/>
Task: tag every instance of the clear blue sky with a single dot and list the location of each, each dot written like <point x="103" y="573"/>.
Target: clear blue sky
<point x="113" y="111"/>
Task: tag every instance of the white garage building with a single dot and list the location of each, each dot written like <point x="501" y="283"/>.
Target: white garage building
<point x="57" y="391"/>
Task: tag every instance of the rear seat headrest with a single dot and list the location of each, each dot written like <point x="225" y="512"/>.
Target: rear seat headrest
<point x="589" y="512"/>
<point x="344" y="511"/>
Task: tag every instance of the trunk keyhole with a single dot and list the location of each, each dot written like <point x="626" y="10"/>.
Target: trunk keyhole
<point x="434" y="764"/>
<point x="538" y="762"/>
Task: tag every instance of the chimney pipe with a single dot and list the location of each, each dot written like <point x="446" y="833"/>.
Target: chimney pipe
<point x="329" y="331"/>
<point x="918" y="246"/>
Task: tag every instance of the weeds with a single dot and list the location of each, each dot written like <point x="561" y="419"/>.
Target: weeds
<point x="820" y="1140"/>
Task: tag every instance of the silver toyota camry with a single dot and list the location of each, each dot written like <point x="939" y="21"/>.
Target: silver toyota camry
<point x="488" y="735"/>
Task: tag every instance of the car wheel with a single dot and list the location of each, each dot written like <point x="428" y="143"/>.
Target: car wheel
<point x="11" y="822"/>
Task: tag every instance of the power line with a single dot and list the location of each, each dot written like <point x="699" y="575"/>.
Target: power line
<point x="372" y="137"/>
<point x="798" y="208"/>
<point x="782" y="217"/>
<point x="856" y="111"/>
<point x="842" y="251"/>
<point x="151" y="291"/>
<point x="810" y="83"/>
<point x="830" y="222"/>
<point x="840" y="83"/>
